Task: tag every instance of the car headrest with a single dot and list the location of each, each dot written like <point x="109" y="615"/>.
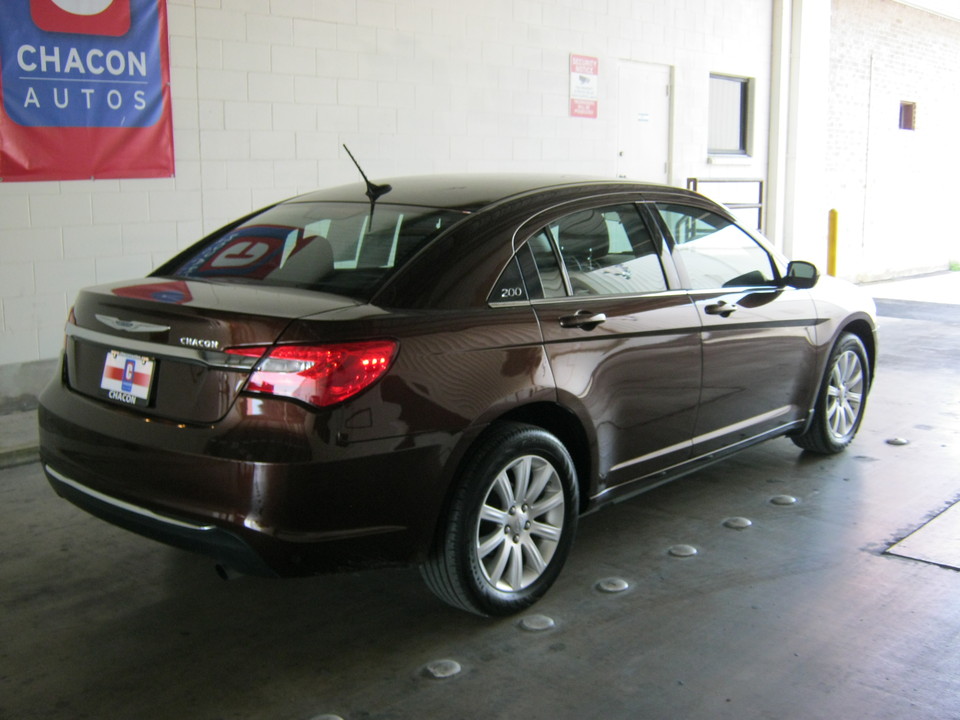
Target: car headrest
<point x="584" y="236"/>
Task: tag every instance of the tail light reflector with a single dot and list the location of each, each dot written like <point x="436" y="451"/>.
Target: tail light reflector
<point x="319" y="375"/>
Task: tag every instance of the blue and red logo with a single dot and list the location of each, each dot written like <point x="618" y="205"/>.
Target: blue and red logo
<point x="85" y="90"/>
<point x="129" y="372"/>
<point x="87" y="17"/>
<point x="82" y="63"/>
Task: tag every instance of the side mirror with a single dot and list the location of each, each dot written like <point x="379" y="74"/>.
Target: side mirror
<point x="801" y="275"/>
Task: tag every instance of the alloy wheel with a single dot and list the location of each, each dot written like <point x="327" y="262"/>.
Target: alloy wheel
<point x="520" y="523"/>
<point x="845" y="394"/>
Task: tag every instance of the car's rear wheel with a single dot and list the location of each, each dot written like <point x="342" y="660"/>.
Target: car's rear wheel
<point x="510" y="523"/>
<point x="842" y="399"/>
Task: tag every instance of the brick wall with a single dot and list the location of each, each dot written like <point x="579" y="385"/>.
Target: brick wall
<point x="891" y="185"/>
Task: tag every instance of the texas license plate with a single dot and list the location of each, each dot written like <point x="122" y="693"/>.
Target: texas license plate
<point x="127" y="378"/>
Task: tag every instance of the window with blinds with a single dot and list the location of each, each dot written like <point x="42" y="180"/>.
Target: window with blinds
<point x="729" y="115"/>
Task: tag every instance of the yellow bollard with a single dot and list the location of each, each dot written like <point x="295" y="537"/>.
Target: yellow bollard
<point x="832" y="243"/>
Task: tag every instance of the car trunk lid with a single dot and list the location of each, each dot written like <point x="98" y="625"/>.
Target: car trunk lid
<point x="157" y="346"/>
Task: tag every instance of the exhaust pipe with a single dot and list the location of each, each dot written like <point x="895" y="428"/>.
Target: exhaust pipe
<point x="227" y="573"/>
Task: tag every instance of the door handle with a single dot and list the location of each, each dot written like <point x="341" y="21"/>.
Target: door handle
<point x="583" y="319"/>
<point x="721" y="308"/>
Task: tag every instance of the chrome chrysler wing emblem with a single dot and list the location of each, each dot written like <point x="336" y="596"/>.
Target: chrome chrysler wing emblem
<point x="130" y="325"/>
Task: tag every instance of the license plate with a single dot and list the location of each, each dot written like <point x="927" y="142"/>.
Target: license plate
<point x="127" y="378"/>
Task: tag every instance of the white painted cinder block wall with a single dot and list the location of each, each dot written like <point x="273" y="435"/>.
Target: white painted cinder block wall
<point x="266" y="91"/>
<point x="890" y="185"/>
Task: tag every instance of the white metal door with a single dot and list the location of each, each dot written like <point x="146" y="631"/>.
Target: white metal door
<point x="644" y="122"/>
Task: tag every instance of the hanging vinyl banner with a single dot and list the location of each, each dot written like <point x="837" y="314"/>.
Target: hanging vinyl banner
<point x="86" y="90"/>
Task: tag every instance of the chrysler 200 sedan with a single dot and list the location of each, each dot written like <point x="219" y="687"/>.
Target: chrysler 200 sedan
<point x="443" y="371"/>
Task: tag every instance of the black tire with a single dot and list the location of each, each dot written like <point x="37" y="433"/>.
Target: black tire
<point x="841" y="400"/>
<point x="504" y="560"/>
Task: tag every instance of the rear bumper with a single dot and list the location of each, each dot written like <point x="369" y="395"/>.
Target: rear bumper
<point x="224" y="547"/>
<point x="331" y="507"/>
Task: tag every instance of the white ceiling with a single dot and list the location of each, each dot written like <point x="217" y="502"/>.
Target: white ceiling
<point x="946" y="8"/>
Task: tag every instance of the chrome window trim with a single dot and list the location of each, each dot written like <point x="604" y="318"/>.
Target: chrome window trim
<point x="586" y="299"/>
<point x="602" y="298"/>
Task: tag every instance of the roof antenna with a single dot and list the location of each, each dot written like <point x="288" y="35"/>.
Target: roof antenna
<point x="374" y="191"/>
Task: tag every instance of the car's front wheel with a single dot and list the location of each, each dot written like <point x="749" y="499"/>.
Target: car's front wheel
<point x="842" y="399"/>
<point x="510" y="523"/>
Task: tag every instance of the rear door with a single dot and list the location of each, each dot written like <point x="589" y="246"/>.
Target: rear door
<point x="624" y="349"/>
<point x="759" y="354"/>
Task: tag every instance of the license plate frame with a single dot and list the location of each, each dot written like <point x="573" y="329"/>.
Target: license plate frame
<point x="128" y="378"/>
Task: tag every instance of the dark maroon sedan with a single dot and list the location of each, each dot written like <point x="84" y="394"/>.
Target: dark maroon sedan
<point x="447" y="372"/>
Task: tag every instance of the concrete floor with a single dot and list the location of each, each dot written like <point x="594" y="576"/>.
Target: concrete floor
<point x="800" y="615"/>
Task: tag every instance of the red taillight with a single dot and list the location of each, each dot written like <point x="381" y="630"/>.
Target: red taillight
<point x="320" y="375"/>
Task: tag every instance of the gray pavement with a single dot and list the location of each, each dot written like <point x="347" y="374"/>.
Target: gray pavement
<point x="800" y="614"/>
<point x="941" y="288"/>
<point x="18" y="438"/>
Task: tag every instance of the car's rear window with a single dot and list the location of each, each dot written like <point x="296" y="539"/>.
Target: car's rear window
<point x="334" y="247"/>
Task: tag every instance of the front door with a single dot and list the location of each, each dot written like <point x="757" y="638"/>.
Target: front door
<point x="759" y="354"/>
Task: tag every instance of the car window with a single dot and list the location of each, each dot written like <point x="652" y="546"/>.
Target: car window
<point x="547" y="266"/>
<point x="715" y="252"/>
<point x="605" y="251"/>
<point x="609" y="251"/>
<point x="335" y="247"/>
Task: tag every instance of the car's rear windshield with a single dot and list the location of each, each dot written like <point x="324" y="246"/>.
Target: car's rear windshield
<point x="334" y="247"/>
